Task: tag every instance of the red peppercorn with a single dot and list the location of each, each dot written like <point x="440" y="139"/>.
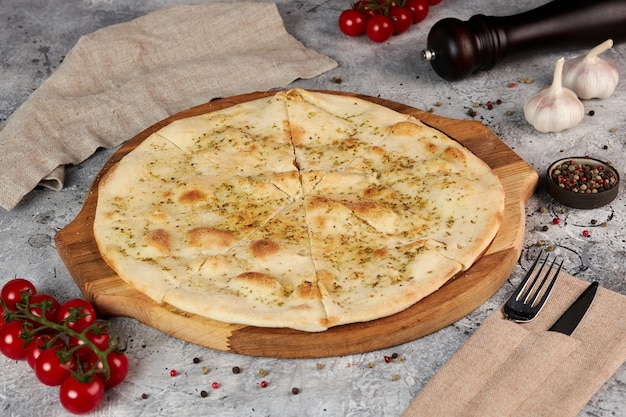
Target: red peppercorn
<point x="173" y="372"/>
<point x="387" y="358"/>
<point x="263" y="384"/>
<point x="215" y="385"/>
<point x="556" y="220"/>
<point x="586" y="233"/>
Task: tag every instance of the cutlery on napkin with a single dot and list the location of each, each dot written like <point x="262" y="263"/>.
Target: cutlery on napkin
<point x="122" y="79"/>
<point x="511" y="369"/>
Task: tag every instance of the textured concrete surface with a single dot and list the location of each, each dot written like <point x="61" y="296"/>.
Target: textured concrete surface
<point x="36" y="34"/>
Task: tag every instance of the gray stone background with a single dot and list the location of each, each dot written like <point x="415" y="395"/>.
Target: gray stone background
<point x="35" y="35"/>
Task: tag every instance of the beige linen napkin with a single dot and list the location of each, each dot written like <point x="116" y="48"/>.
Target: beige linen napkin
<point x="120" y="80"/>
<point x="510" y="369"/>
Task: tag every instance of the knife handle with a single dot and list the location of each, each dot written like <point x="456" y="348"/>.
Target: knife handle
<point x="456" y="49"/>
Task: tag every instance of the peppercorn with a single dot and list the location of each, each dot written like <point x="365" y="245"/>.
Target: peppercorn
<point x="262" y="373"/>
<point x="295" y="390"/>
<point x="583" y="178"/>
<point x="144" y="396"/>
<point x="196" y="360"/>
<point x="204" y="394"/>
<point x="544" y="228"/>
<point x="236" y="369"/>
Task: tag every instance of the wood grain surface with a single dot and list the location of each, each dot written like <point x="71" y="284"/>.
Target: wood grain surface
<point x="457" y="298"/>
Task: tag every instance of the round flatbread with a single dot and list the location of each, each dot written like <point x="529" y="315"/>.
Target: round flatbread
<point x="303" y="210"/>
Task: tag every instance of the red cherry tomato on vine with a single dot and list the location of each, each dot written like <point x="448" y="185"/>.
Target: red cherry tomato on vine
<point x="367" y="7"/>
<point x="402" y="19"/>
<point x="352" y="22"/>
<point x="50" y="369"/>
<point x="379" y="28"/>
<point x="77" y="306"/>
<point x="81" y="397"/>
<point x="11" y="344"/>
<point x="419" y="9"/>
<point x="38" y="345"/>
<point x="118" y="368"/>
<point x="99" y="338"/>
<point x="12" y="291"/>
<point x="37" y="303"/>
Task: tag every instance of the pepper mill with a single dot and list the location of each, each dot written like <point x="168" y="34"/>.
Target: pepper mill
<point x="457" y="49"/>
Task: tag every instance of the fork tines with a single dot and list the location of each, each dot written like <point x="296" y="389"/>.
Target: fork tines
<point x="530" y="296"/>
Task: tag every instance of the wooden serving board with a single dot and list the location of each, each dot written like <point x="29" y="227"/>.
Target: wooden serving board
<point x="457" y="298"/>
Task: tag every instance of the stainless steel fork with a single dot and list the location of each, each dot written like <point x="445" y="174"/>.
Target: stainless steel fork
<point x="531" y="295"/>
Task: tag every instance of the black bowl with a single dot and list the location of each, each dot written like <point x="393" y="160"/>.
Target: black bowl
<point x="583" y="192"/>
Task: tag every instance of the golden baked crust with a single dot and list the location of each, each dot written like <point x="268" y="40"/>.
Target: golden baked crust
<point x="302" y="210"/>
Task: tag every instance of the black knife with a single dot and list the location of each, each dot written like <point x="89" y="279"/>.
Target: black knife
<point x="567" y="323"/>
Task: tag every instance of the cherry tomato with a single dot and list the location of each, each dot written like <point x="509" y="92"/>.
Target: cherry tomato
<point x="379" y="28"/>
<point x="367" y="7"/>
<point x="352" y="22"/>
<point x="50" y="369"/>
<point x="419" y="9"/>
<point x="39" y="344"/>
<point x="84" y="313"/>
<point x="40" y="301"/>
<point x="81" y="397"/>
<point x="99" y="337"/>
<point x="402" y="19"/>
<point x="118" y="368"/>
<point x="11" y="344"/>
<point x="433" y="2"/>
<point x="12" y="291"/>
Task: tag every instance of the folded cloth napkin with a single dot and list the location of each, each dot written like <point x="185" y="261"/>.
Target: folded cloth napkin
<point x="510" y="369"/>
<point x="120" y="80"/>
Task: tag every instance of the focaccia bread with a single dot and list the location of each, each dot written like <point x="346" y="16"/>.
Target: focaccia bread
<point x="303" y="210"/>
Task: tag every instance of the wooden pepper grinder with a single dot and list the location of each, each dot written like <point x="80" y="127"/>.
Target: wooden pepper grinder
<point x="456" y="49"/>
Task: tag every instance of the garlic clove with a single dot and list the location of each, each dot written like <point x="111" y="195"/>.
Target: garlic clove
<point x="554" y="108"/>
<point x="591" y="76"/>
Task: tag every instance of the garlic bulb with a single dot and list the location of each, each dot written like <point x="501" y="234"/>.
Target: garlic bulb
<point x="554" y="108"/>
<point x="590" y="76"/>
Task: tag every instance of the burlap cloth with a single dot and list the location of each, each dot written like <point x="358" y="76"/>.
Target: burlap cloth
<point x="509" y="369"/>
<point x="120" y="80"/>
